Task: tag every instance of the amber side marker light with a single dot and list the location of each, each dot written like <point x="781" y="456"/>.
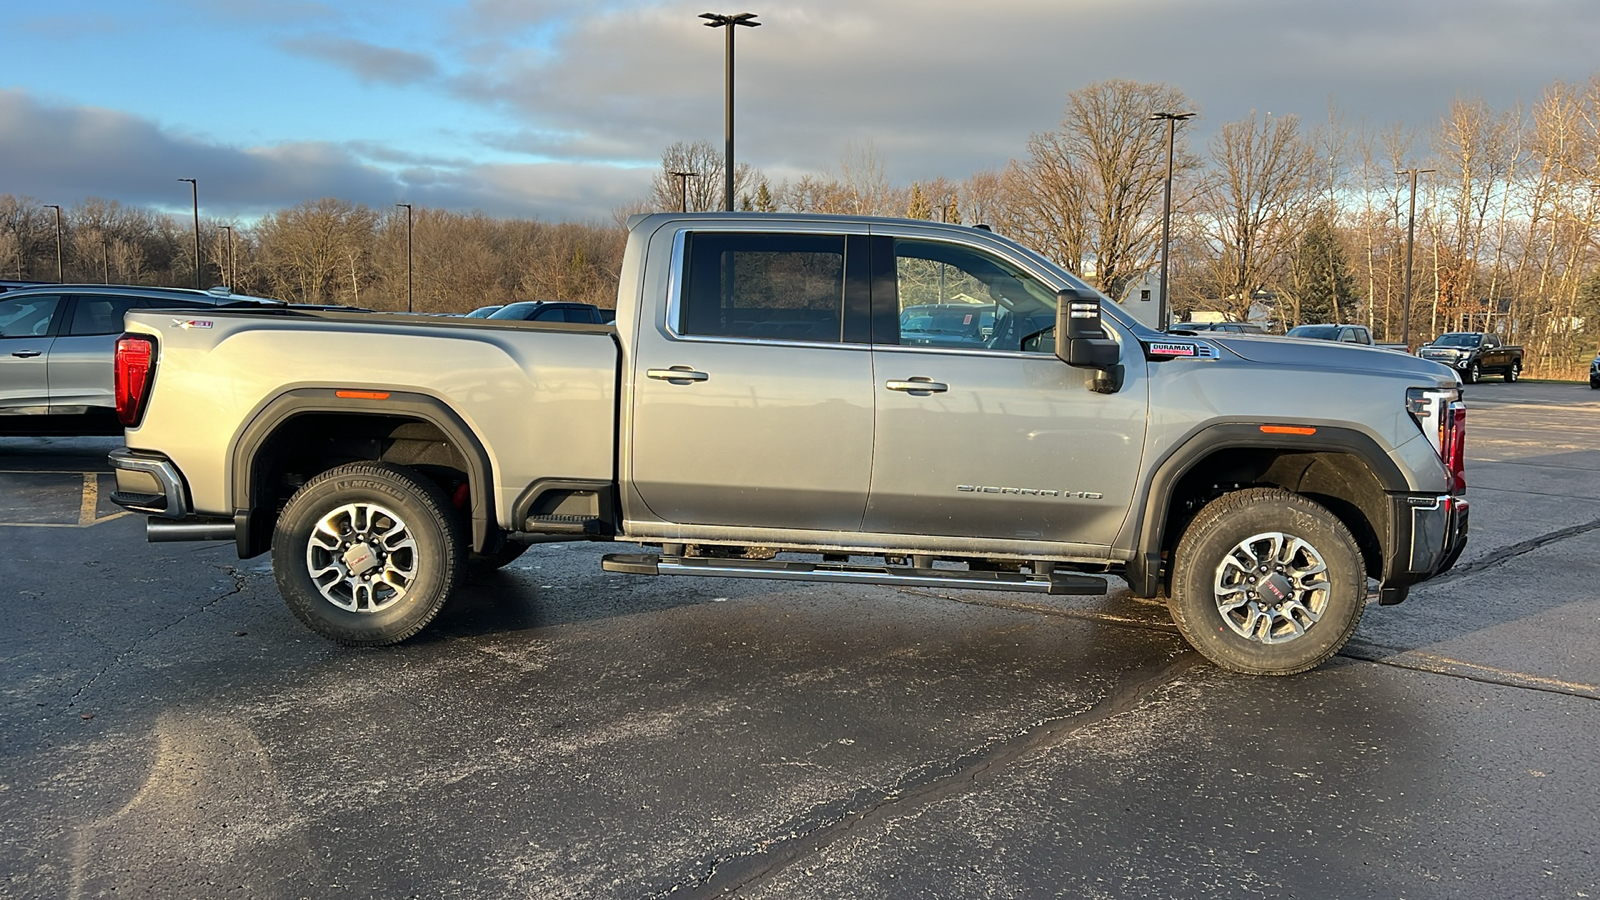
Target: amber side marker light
<point x="362" y="395"/>
<point x="1287" y="429"/>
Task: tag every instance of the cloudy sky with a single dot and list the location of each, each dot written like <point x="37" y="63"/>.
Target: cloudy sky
<point x="560" y="110"/>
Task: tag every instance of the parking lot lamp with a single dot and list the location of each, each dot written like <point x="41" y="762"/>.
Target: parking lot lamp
<point x="683" y="188"/>
<point x="1172" y="120"/>
<point x="57" y="208"/>
<point x="229" y="258"/>
<point x="718" y="20"/>
<point x="194" y="196"/>
<point x="408" y="253"/>
<point x="1411" y="240"/>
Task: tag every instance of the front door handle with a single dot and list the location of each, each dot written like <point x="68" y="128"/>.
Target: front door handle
<point x="27" y="354"/>
<point x="676" y="375"/>
<point x="918" y="385"/>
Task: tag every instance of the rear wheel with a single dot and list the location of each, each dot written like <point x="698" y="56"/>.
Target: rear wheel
<point x="1513" y="373"/>
<point x="367" y="553"/>
<point x="1267" y="582"/>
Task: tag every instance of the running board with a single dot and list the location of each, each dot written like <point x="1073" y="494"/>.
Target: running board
<point x="842" y="573"/>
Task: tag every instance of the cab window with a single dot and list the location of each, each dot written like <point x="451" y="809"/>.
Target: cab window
<point x="27" y="316"/>
<point x="788" y="287"/>
<point x="955" y="297"/>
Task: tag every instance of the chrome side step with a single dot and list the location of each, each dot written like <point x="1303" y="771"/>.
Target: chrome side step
<point x="845" y="573"/>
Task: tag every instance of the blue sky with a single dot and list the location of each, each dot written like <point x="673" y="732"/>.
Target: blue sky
<point x="560" y="110"/>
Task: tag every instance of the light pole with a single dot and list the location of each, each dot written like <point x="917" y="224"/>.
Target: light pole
<point x="57" y="208"/>
<point x="718" y="20"/>
<point x="194" y="195"/>
<point x="683" y="188"/>
<point x="1411" y="239"/>
<point x="1172" y="120"/>
<point x="408" y="253"/>
<point x="229" y="258"/>
<point x="105" y="259"/>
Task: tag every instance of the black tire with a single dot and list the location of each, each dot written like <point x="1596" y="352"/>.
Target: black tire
<point x="1473" y="373"/>
<point x="1249" y="634"/>
<point x="398" y="553"/>
<point x="1513" y="373"/>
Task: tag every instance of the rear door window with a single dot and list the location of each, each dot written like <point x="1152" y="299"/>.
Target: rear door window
<point x="787" y="287"/>
<point x="99" y="315"/>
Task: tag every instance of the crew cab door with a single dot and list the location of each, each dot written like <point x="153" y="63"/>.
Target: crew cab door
<point x="27" y="332"/>
<point x="752" y="394"/>
<point x="987" y="434"/>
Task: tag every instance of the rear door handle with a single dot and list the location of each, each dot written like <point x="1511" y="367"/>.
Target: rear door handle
<point x="676" y="375"/>
<point x="918" y="385"/>
<point x="28" y="354"/>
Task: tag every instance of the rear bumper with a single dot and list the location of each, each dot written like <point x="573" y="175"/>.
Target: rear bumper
<point x="149" y="483"/>
<point x="1428" y="533"/>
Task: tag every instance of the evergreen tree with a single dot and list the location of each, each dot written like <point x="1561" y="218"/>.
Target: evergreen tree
<point x="764" y="201"/>
<point x="1319" y="277"/>
<point x="918" y="208"/>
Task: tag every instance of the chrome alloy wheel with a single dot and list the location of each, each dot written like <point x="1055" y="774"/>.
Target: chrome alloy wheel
<point x="362" y="557"/>
<point x="1271" y="588"/>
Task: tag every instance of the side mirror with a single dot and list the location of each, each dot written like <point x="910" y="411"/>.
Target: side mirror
<point x="1081" y="338"/>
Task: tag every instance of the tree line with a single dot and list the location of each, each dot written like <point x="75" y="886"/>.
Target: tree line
<point x="1273" y="219"/>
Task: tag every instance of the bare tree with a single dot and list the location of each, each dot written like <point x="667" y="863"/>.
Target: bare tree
<point x="691" y="178"/>
<point x="1089" y="193"/>
<point x="1253" y="206"/>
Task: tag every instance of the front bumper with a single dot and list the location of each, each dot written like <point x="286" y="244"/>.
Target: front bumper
<point x="1428" y="534"/>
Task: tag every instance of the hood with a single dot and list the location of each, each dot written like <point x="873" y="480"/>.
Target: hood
<point x="1308" y="354"/>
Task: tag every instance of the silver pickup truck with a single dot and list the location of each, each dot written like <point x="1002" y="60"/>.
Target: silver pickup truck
<point x="771" y="403"/>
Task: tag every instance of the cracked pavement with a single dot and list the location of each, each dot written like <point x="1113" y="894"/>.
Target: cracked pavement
<point x="170" y="730"/>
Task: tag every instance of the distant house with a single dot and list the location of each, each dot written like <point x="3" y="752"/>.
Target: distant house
<point x="1143" y="300"/>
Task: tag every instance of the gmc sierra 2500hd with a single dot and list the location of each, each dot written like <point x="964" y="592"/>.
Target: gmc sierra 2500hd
<point x="761" y="389"/>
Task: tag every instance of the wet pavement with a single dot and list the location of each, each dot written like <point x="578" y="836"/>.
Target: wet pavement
<point x="168" y="729"/>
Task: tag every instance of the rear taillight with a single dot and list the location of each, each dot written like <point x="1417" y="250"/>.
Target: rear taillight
<point x="1454" y="445"/>
<point x="134" y="370"/>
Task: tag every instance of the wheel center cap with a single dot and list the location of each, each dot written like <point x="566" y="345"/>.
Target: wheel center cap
<point x="1276" y="588"/>
<point x="360" y="559"/>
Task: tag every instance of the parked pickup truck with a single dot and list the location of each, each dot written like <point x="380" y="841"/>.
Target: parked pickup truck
<point x="757" y="412"/>
<point x="1344" y="334"/>
<point x="1475" y="354"/>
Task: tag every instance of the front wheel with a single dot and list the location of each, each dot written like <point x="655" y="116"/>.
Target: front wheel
<point x="1474" y="372"/>
<point x="1267" y="582"/>
<point x="1513" y="373"/>
<point x="367" y="553"/>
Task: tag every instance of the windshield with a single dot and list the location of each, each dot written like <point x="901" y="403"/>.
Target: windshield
<point x="1318" y="332"/>
<point x="1466" y="339"/>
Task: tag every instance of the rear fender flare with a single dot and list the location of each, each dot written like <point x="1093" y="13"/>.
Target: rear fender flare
<point x="253" y="525"/>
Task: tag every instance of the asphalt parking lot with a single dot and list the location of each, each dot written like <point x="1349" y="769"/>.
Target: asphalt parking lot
<point x="169" y="730"/>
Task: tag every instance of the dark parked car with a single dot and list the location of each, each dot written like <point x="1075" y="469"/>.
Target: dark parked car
<point x="483" y="312"/>
<point x="1474" y="354"/>
<point x="1231" y="327"/>
<point x="56" y="347"/>
<point x="19" y="285"/>
<point x="545" y="311"/>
